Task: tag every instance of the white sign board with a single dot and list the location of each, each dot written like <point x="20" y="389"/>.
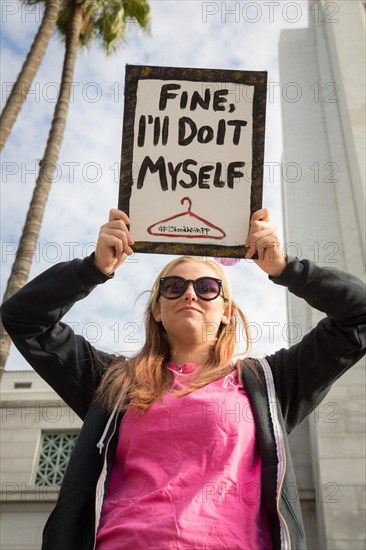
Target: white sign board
<point x="192" y="158"/>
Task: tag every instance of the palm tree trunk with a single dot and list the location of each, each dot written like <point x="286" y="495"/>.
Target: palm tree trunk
<point x="25" y="78"/>
<point x="31" y="230"/>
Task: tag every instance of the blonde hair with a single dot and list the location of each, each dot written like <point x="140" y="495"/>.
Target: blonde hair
<point x="142" y="379"/>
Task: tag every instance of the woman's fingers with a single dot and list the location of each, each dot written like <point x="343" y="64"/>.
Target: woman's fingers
<point x="261" y="239"/>
<point x="119" y="229"/>
<point x="114" y="240"/>
<point x="261" y="233"/>
<point x="263" y="214"/>
<point x="115" y="214"/>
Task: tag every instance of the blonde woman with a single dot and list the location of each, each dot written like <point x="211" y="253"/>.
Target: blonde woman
<point x="182" y="447"/>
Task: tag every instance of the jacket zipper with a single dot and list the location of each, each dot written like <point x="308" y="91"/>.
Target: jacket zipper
<point x="280" y="516"/>
<point x="272" y="402"/>
<point x="98" y="482"/>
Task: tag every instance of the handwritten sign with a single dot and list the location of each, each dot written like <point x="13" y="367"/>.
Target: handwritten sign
<point x="192" y="158"/>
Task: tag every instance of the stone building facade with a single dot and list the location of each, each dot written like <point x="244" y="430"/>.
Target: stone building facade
<point x="322" y="71"/>
<point x="36" y="438"/>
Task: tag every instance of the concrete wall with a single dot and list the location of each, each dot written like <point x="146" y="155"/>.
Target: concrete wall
<point x="25" y="413"/>
<point x="324" y="136"/>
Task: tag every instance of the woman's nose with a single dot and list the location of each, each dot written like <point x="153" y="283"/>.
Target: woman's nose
<point x="190" y="293"/>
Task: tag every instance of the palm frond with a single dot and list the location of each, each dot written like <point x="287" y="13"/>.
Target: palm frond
<point x="106" y="21"/>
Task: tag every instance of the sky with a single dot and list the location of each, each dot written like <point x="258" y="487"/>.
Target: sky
<point x="184" y="33"/>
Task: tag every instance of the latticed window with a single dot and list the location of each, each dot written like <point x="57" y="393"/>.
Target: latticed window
<point x="54" y="456"/>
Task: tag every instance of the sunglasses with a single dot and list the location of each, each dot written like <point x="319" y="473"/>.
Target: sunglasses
<point x="206" y="288"/>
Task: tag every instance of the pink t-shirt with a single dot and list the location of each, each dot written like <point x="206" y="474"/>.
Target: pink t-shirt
<point x="187" y="475"/>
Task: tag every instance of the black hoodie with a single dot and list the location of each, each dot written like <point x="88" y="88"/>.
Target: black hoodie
<point x="288" y="386"/>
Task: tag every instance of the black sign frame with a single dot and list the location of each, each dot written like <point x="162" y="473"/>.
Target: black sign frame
<point x="135" y="73"/>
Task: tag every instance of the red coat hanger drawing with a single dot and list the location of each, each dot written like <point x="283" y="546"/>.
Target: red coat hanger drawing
<point x="199" y="229"/>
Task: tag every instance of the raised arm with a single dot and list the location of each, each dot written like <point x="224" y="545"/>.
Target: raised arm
<point x="32" y="317"/>
<point x="303" y="374"/>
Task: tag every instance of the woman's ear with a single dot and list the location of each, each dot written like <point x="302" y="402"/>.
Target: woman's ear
<point x="157" y="314"/>
<point x="227" y="315"/>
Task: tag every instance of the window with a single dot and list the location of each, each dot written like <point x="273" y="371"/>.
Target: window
<point x="54" y="455"/>
<point x="22" y="385"/>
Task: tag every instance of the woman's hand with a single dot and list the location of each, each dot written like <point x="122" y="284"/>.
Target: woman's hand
<point x="114" y="240"/>
<point x="263" y="239"/>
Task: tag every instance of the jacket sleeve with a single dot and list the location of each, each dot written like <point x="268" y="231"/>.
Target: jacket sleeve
<point x="68" y="363"/>
<point x="304" y="373"/>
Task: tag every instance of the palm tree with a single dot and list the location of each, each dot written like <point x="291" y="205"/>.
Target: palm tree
<point x="81" y="20"/>
<point x="33" y="60"/>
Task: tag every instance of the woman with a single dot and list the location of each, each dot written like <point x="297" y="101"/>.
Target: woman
<point x="181" y="448"/>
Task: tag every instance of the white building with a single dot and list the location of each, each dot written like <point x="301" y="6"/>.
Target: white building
<point x="37" y="435"/>
<point x="322" y="72"/>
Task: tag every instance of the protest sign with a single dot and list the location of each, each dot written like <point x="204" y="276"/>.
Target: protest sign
<point x="192" y="158"/>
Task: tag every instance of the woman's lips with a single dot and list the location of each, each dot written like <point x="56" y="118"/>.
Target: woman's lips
<point x="189" y="308"/>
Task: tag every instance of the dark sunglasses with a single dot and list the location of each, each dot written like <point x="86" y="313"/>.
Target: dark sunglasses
<point x="206" y="288"/>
